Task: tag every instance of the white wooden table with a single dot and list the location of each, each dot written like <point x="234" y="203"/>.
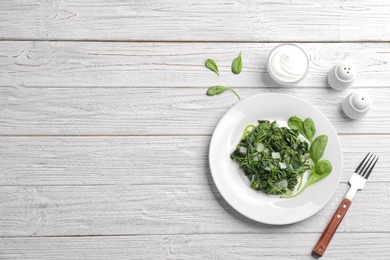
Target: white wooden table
<point x="105" y="125"/>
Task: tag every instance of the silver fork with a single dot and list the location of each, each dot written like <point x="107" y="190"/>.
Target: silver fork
<point x="357" y="181"/>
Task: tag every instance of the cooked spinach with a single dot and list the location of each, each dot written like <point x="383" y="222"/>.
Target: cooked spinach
<point x="216" y="90"/>
<point x="211" y="65"/>
<point x="237" y="64"/>
<point x="275" y="158"/>
<point x="272" y="157"/>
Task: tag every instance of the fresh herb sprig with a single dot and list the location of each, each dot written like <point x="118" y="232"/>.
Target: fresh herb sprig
<point x="236" y="69"/>
<point x="216" y="90"/>
<point x="211" y="65"/>
<point x="305" y="128"/>
<point x="237" y="64"/>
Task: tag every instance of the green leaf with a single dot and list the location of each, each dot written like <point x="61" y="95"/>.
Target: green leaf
<point x="323" y="168"/>
<point x="317" y="148"/>
<point x="305" y="128"/>
<point x="216" y="90"/>
<point x="237" y="65"/>
<point x="320" y="170"/>
<point x="309" y="129"/>
<point x="211" y="65"/>
<point x="296" y="123"/>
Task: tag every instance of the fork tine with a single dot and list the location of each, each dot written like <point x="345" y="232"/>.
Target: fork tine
<point x="369" y="163"/>
<point x="369" y="172"/>
<point x="360" y="165"/>
<point x="365" y="165"/>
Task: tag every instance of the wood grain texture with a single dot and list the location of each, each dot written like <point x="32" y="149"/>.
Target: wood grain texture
<point x="199" y="20"/>
<point x="167" y="65"/>
<point x="326" y="237"/>
<point x="149" y="111"/>
<point x="215" y="246"/>
<point x="164" y="209"/>
<point x="89" y="125"/>
<point x="139" y="160"/>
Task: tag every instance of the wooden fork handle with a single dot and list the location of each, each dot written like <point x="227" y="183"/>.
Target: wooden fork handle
<point x="328" y="233"/>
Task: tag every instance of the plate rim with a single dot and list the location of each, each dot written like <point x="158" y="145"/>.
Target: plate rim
<point x="217" y="184"/>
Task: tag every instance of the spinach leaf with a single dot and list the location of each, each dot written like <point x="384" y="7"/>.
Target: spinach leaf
<point x="296" y="123"/>
<point x="309" y="129"/>
<point x="237" y="65"/>
<point x="216" y="90"/>
<point x="211" y="65"/>
<point x="305" y="128"/>
<point x="317" y="148"/>
<point x="320" y="170"/>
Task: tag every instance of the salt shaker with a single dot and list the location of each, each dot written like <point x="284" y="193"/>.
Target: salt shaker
<point x="342" y="76"/>
<point x="356" y="104"/>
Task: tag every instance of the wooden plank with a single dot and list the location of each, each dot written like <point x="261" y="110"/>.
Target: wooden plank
<point x="214" y="246"/>
<point x="140" y="160"/>
<point x="102" y="160"/>
<point x="164" y="209"/>
<point x="129" y="64"/>
<point x="147" y="111"/>
<point x="196" y="20"/>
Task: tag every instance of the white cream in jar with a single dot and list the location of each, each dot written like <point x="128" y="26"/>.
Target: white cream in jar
<point x="287" y="64"/>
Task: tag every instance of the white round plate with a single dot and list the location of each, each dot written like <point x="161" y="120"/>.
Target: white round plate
<point x="234" y="185"/>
